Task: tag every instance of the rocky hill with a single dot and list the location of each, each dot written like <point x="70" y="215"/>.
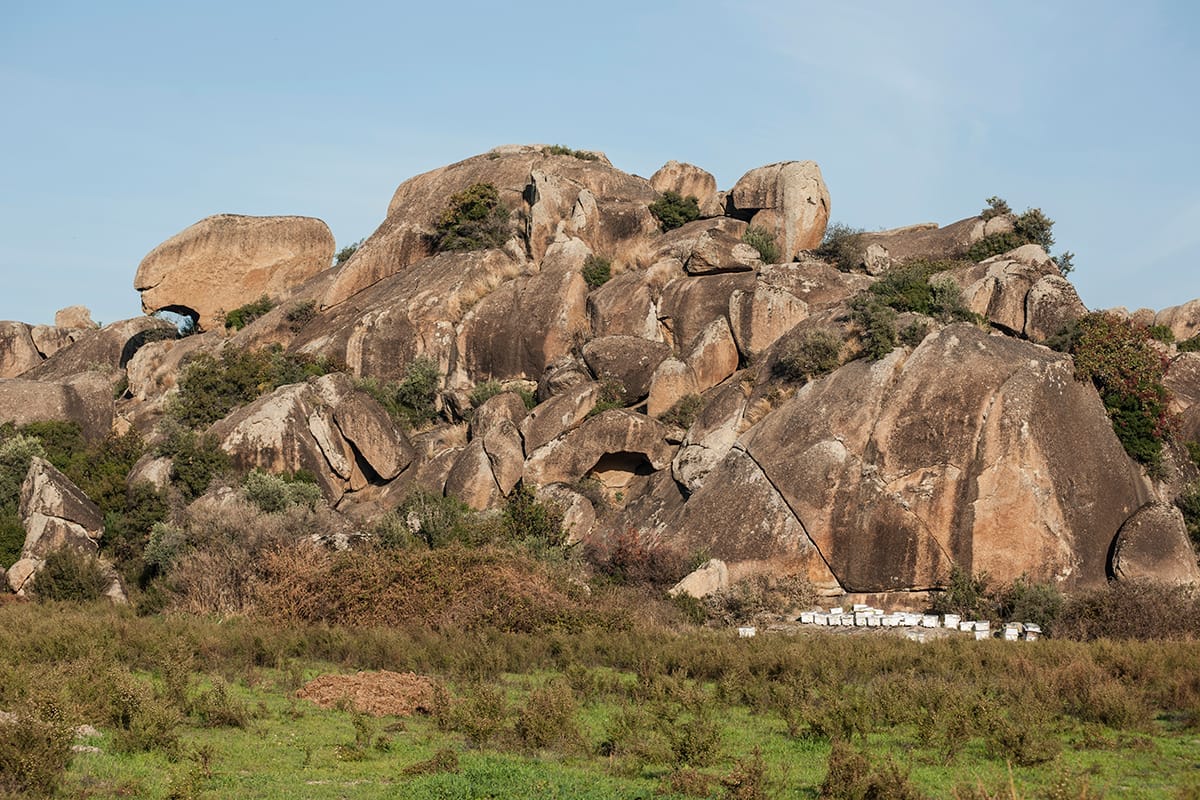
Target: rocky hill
<point x="697" y="371"/>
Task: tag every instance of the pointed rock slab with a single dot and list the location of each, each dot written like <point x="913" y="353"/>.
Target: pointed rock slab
<point x="671" y="381"/>
<point x="1153" y="545"/>
<point x="710" y="438"/>
<point x="998" y="289"/>
<point x="794" y="198"/>
<point x="506" y="407"/>
<point x="523" y="326"/>
<point x="627" y="305"/>
<point x="629" y="360"/>
<point x="19" y="573"/>
<point x="711" y="576"/>
<point x="549" y="420"/>
<point x="900" y="468"/>
<point x="299" y="427"/>
<point x="1051" y="305"/>
<point x="618" y="432"/>
<point x="713" y="356"/>
<point x="412" y="314"/>
<point x="688" y="180"/>
<point x="759" y="317"/>
<point x="502" y="443"/>
<point x="56" y="513"/>
<point x="18" y="353"/>
<point x="227" y="260"/>
<point x="471" y="479"/>
<point x="708" y="246"/>
<point x="49" y="340"/>
<point x="74" y="317"/>
<point x="770" y="540"/>
<point x="85" y="399"/>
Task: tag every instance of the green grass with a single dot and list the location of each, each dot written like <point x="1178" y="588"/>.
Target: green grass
<point x="669" y="676"/>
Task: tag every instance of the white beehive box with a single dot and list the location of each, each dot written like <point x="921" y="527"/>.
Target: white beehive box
<point x="951" y="620"/>
<point x="1012" y="631"/>
<point x="747" y="631"/>
<point x="806" y="617"/>
<point x="835" y="611"/>
<point x="1032" y="632"/>
<point x="929" y="621"/>
<point x="966" y="625"/>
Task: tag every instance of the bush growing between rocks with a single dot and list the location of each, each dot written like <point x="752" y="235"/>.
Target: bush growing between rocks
<point x="808" y="356"/>
<point x="242" y="316"/>
<point x="876" y="322"/>
<point x="16" y="451"/>
<point x="275" y="493"/>
<point x="195" y="460"/>
<point x="71" y="576"/>
<point x="597" y="270"/>
<point x="841" y="246"/>
<point x="763" y="241"/>
<point x="684" y="412"/>
<point x="563" y="150"/>
<point x="612" y="395"/>
<point x="672" y="210"/>
<point x="301" y="314"/>
<point x="347" y="252"/>
<point x="413" y="400"/>
<point x="474" y="219"/>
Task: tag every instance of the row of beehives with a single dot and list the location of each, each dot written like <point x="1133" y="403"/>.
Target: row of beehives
<point x="863" y="616"/>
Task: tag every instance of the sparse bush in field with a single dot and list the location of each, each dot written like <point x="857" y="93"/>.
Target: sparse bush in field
<point x="68" y="574"/>
<point x="443" y="761"/>
<point x="1131" y="610"/>
<point x="563" y="150"/>
<point x="597" y="270"/>
<point x="759" y="595"/>
<point x="764" y="242"/>
<point x="485" y="391"/>
<point x="748" y="779"/>
<point x="217" y="707"/>
<point x="273" y="493"/>
<point x="852" y="776"/>
<point x="1128" y="373"/>
<point x="413" y="400"/>
<point x="547" y="719"/>
<point x="808" y="356"/>
<point x="474" y="219"/>
<point x="673" y="210"/>
<point x="347" y="252"/>
<point x="34" y="754"/>
<point x="242" y="316"/>
<point x="1025" y="601"/>
<point x="301" y="314"/>
<point x="143" y="720"/>
<point x="684" y="412"/>
<point x="696" y="740"/>
<point x="842" y="245"/>
<point x="480" y="715"/>
<point x="1024" y="735"/>
<point x="629" y="560"/>
<point x="966" y="594"/>
<point x="433" y="519"/>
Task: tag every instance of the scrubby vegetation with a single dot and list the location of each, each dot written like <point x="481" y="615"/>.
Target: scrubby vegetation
<point x="764" y="242"/>
<point x="685" y="411"/>
<point x="347" y="252"/>
<point x="563" y="150"/>
<point x="474" y="219"/>
<point x="841" y="246"/>
<point x="597" y="270"/>
<point x="1115" y="355"/>
<point x="212" y="386"/>
<point x="809" y="355"/>
<point x="242" y="316"/>
<point x="1032" y="226"/>
<point x="72" y="576"/>
<point x="301" y="314"/>
<point x="413" y="400"/>
<point x="673" y="210"/>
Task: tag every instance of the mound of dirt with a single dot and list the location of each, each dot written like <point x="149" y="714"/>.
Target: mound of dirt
<point x="378" y="693"/>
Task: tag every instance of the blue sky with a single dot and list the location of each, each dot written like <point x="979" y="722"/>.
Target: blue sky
<point x="125" y="122"/>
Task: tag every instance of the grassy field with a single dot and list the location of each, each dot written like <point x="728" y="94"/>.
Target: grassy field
<point x="192" y="707"/>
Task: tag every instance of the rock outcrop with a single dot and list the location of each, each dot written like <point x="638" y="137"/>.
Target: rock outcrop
<point x="1153" y="545"/>
<point x="226" y="261"/>
<point x="85" y="399"/>
<point x="788" y="199"/>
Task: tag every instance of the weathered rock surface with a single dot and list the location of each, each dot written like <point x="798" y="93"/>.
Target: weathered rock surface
<point x="900" y="468"/>
<point x="616" y="441"/>
<point x="103" y="351"/>
<point x="18" y="353"/>
<point x="506" y="407"/>
<point x="789" y="199"/>
<point x="1153" y="545"/>
<point x="759" y="317"/>
<point x="471" y="478"/>
<point x="628" y="360"/>
<point x="1051" y="305"/>
<point x="579" y="515"/>
<point x="84" y="399"/>
<point x="711" y="576"/>
<point x="689" y="305"/>
<point x="708" y="246"/>
<point x="74" y="317"/>
<point x="1183" y="320"/>
<point x="554" y="417"/>
<point x="323" y="426"/>
<point x="49" y="339"/>
<point x="928" y="240"/>
<point x="56" y="514"/>
<point x="688" y="180"/>
<point x="710" y="437"/>
<point x="224" y="261"/>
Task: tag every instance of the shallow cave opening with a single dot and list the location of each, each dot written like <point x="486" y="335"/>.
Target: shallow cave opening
<point x="621" y="475"/>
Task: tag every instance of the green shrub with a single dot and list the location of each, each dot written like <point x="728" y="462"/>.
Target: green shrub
<point x="165" y="544"/>
<point x="274" y="493"/>
<point x="16" y="451"/>
<point x="914" y="333"/>
<point x="1128" y="373"/>
<point x="876" y="322"/>
<point x="474" y="219"/>
<point x="996" y="207"/>
<point x="413" y="400"/>
<point x="842" y="246"/>
<point x="547" y="719"/>
<point x="966" y="594"/>
<point x="1161" y="333"/>
<point x="684" y="412"/>
<point x="673" y="210"/>
<point x="1025" y="601"/>
<point x="918" y="287"/>
<point x="1035" y="228"/>
<point x="852" y="776"/>
<point x="217" y="707"/>
<point x="70" y="575"/>
<point x="431" y="518"/>
<point x="347" y="252"/>
<point x="1065" y="262"/>
<point x="34" y="754"/>
<point x="485" y="391"/>
<point x="810" y="355"/>
<point x="1030" y="227"/>
<point x="210" y="387"/>
<point x="242" y="316"/>
<point x="1190" y="345"/>
<point x="195" y="459"/>
<point x="563" y="150"/>
<point x="301" y="314"/>
<point x="526" y="519"/>
<point x="695" y="741"/>
<point x="764" y="242"/>
<point x="612" y="395"/>
<point x="994" y="244"/>
<point x="597" y="270"/>
<point x="1188" y="502"/>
